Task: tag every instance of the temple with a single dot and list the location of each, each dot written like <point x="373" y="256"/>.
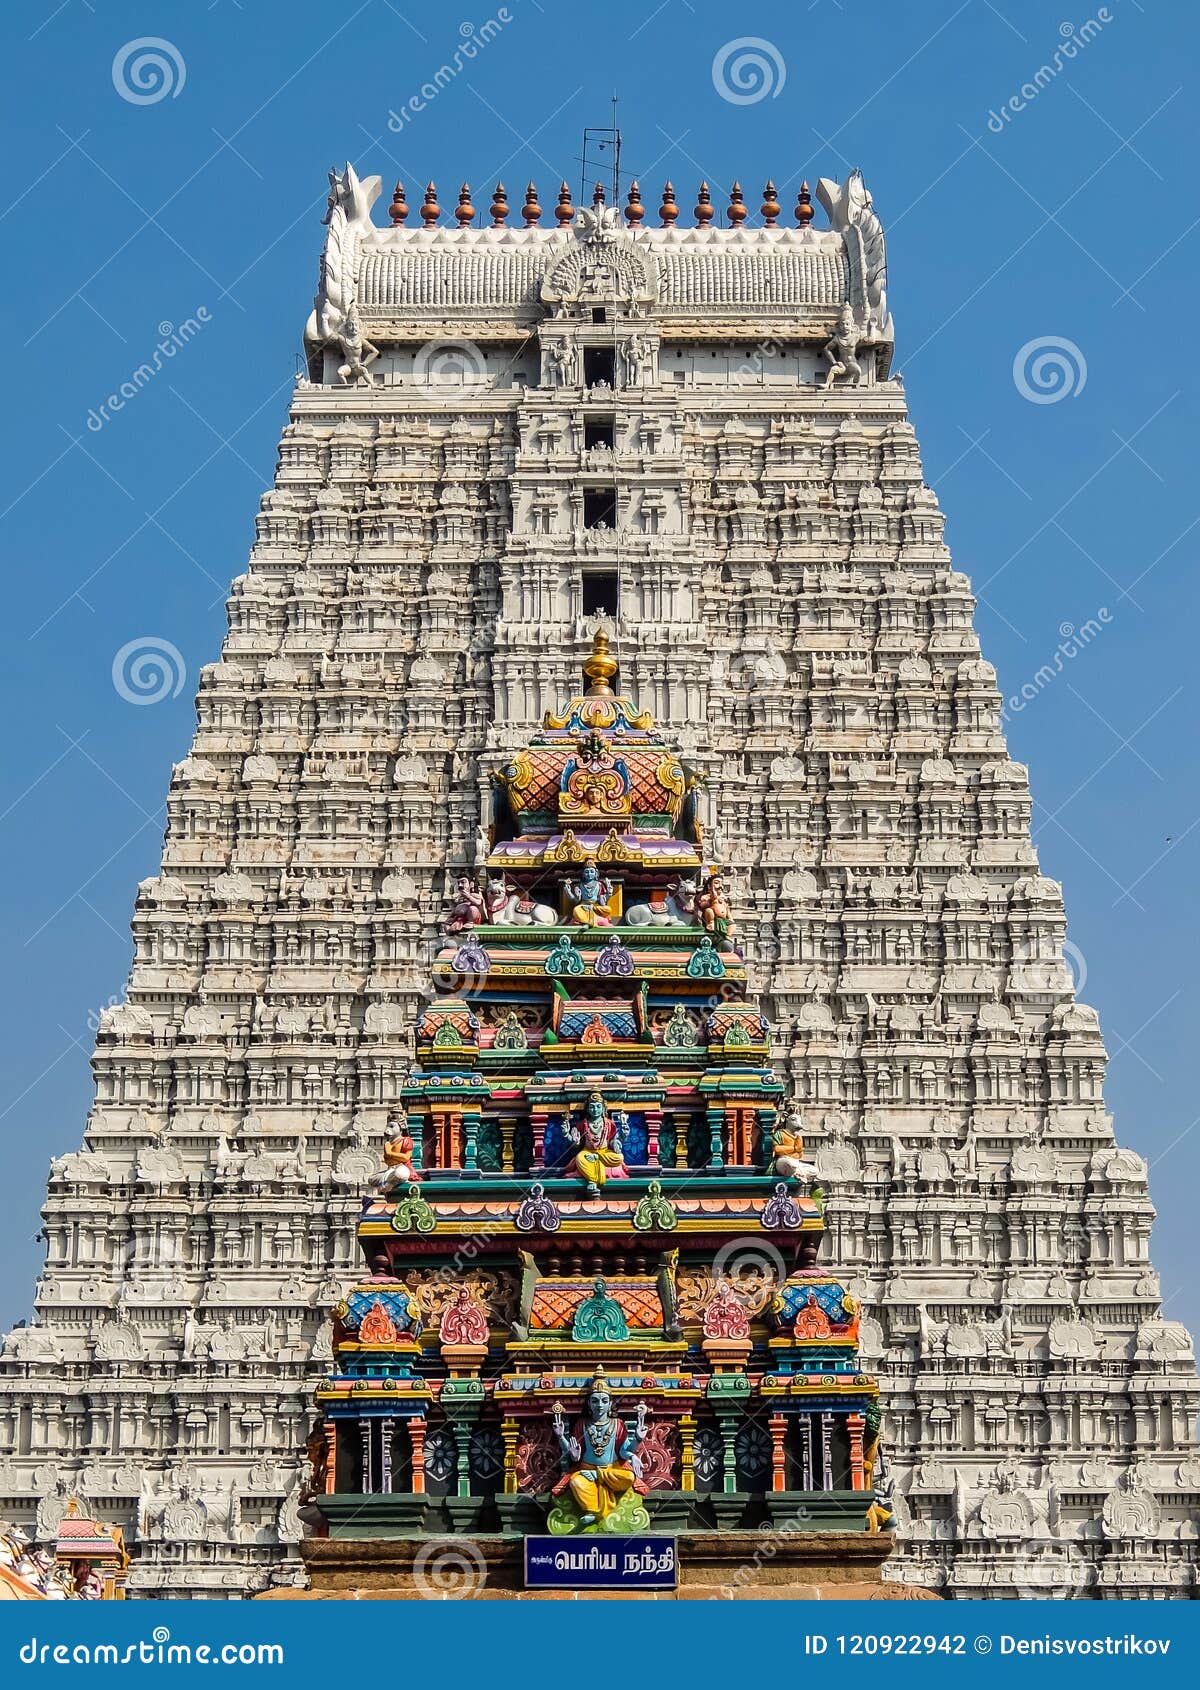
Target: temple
<point x="592" y="1302"/>
<point x="520" y="427"/>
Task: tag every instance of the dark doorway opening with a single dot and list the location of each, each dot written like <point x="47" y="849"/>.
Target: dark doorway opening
<point x="601" y="593"/>
<point x="599" y="366"/>
<point x="598" y="431"/>
<point x="600" y="508"/>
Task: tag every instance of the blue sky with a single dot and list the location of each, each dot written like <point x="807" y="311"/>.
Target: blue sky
<point x="1068" y="217"/>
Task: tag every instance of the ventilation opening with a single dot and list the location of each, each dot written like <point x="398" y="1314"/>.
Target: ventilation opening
<point x="601" y="593"/>
<point x="600" y="508"/>
<point x="598" y="431"/>
<point x="599" y="366"/>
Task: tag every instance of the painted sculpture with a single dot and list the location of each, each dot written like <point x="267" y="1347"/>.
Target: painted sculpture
<point x="554" y="1331"/>
<point x="602" y="1476"/>
<point x="599" y="1153"/>
<point x="398" y="1151"/>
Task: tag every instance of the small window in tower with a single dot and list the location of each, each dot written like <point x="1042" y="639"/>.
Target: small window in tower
<point x="599" y="366"/>
<point x="599" y="314"/>
<point x="601" y="593"/>
<point x="600" y="508"/>
<point x="598" y="431"/>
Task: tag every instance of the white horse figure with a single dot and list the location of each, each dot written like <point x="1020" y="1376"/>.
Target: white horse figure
<point x="507" y="908"/>
<point x="677" y="910"/>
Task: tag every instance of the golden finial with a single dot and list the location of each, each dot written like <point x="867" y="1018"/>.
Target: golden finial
<point x="600" y="667"/>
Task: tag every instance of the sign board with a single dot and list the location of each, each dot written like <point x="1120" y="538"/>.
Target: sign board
<point x="600" y="1563"/>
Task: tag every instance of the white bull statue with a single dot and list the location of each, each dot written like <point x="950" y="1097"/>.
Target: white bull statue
<point x="677" y="909"/>
<point x="507" y="908"/>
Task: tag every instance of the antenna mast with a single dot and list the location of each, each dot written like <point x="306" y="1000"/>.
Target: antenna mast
<point x="602" y="139"/>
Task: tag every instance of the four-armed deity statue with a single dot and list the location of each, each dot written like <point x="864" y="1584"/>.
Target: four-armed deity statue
<point x="602" y="1474"/>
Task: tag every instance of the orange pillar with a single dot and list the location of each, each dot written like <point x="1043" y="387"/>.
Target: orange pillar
<point x="854" y="1425"/>
<point x="777" y="1426"/>
<point x="330" y="1430"/>
<point x="416" y="1435"/>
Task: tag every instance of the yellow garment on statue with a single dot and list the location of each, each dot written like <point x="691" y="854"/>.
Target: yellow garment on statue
<point x="597" y="1490"/>
<point x="594" y="1164"/>
<point x="591" y="915"/>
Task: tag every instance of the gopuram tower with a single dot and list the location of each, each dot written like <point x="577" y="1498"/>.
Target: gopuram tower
<point x="518" y="431"/>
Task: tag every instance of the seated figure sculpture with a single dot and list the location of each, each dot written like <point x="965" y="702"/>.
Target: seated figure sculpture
<point x="787" y="1147"/>
<point x="602" y="1473"/>
<point x="590" y="897"/>
<point x="398" y="1167"/>
<point x="600" y="1152"/>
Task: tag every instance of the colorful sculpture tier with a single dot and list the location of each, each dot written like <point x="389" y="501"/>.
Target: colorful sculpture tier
<point x="593" y="1302"/>
<point x="88" y="1563"/>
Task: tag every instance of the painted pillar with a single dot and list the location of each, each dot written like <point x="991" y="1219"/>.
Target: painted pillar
<point x="417" y="1428"/>
<point x="687" y="1452"/>
<point x="330" y="1431"/>
<point x="854" y="1425"/>
<point x="508" y="1433"/>
<point x="777" y="1426"/>
<point x="386" y="1429"/>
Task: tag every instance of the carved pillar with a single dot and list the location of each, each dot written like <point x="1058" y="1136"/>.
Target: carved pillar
<point x="470" y="1140"/>
<point x="807" y="1464"/>
<point x="739" y="1137"/>
<point x="368" y="1466"/>
<point x="854" y="1425"/>
<point x="716" y="1138"/>
<point x="687" y="1452"/>
<point x="538" y="1120"/>
<point x="387" y="1427"/>
<point x="329" y="1431"/>
<point x="417" y="1427"/>
<point x="682" y="1123"/>
<point x="827" y="1452"/>
<point x="653" y="1124"/>
<point x="777" y="1425"/>
<point x="448" y="1137"/>
<point x="508" y="1433"/>
<point x="508" y="1128"/>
